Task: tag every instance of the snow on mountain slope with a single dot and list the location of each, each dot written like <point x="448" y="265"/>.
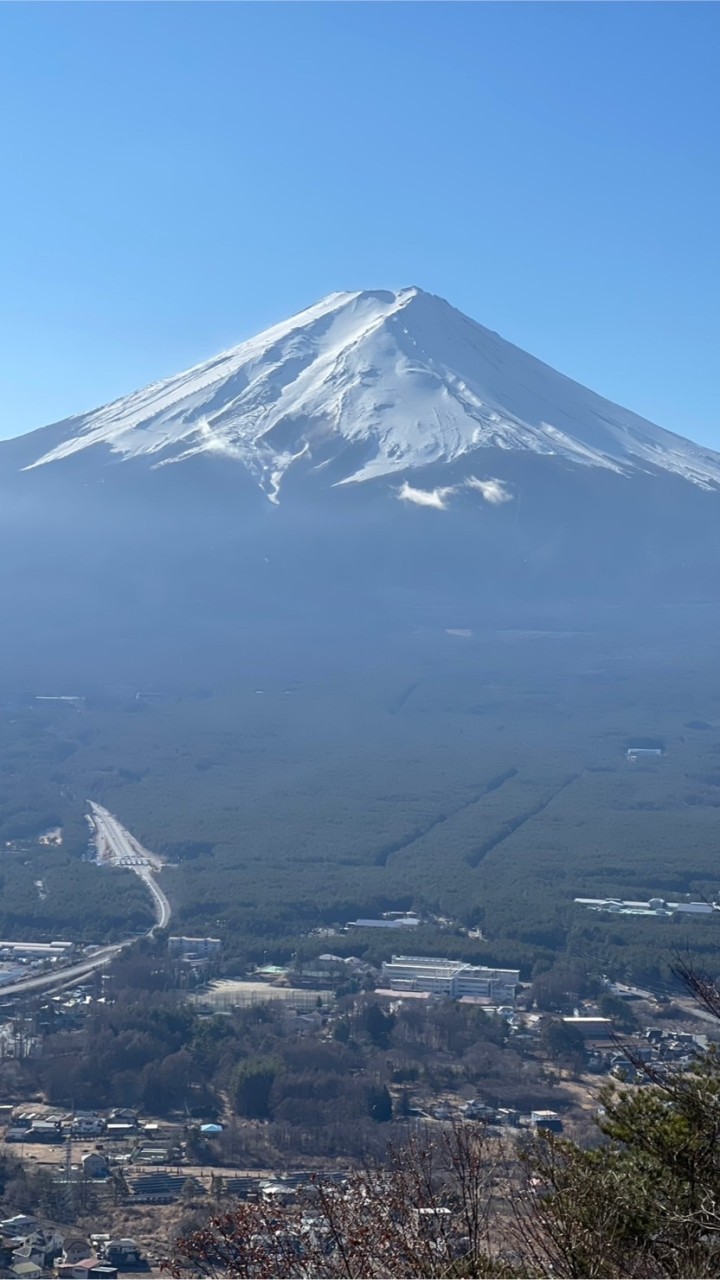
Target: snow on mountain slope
<point x="378" y="383"/>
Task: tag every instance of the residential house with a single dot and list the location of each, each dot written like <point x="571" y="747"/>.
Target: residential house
<point x="87" y="1269"/>
<point x="118" y="1129"/>
<point x="42" y="1247"/>
<point x="278" y="1193"/>
<point x="26" y="1270"/>
<point x="20" y="1225"/>
<point x="25" y="1253"/>
<point x="45" y="1131"/>
<point x="548" y="1120"/>
<point x="476" y="1109"/>
<point x="86" y="1124"/>
<point x="8" y="1244"/>
<point x="124" y="1254"/>
<point x="74" y="1250"/>
<point x="123" y="1115"/>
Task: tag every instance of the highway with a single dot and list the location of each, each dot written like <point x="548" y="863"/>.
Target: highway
<point x="66" y="977"/>
<point x="115" y="847"/>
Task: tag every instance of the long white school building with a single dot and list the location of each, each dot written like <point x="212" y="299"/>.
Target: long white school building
<point x="450" y="978"/>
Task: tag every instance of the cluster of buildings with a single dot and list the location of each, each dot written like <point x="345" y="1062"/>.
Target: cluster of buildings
<point x="657" y="907"/>
<point x="429" y="976"/>
<point x="510" y="1117"/>
<point x="450" y="979"/>
<point x="662" y="1051"/>
<point x="33" y="1125"/>
<point x="29" y="1251"/>
<point x="18" y="959"/>
<point x="194" y="957"/>
<point x="328" y="970"/>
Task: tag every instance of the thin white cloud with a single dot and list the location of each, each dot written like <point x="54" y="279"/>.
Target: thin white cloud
<point x="493" y="491"/>
<point x="425" y="497"/>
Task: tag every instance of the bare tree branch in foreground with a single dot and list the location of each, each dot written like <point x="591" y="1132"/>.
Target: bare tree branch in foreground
<point x="427" y="1212"/>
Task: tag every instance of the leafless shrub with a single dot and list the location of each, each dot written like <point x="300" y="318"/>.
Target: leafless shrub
<point x="428" y="1212"/>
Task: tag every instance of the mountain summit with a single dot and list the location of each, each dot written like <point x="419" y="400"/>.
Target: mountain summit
<point x="369" y="385"/>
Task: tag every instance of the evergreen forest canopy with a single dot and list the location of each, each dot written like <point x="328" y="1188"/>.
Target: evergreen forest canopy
<point x="480" y="779"/>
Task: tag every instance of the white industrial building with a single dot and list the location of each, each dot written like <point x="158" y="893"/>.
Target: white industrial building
<point x="203" y="947"/>
<point x="450" y="979"/>
<point x="386" y="922"/>
<point x="36" y="950"/>
<point x="653" y="907"/>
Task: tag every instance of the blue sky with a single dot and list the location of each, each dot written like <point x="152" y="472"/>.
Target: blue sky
<point x="178" y="176"/>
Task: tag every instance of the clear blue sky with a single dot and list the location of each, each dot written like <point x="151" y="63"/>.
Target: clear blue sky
<point x="178" y="176"/>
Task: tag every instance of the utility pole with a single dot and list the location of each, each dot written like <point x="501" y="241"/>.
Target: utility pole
<point x="69" y="1196"/>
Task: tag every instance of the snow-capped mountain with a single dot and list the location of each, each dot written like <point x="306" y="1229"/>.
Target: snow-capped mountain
<point x="376" y="463"/>
<point x="370" y="385"/>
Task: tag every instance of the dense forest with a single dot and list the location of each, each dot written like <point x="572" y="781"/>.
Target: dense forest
<point x="480" y="780"/>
